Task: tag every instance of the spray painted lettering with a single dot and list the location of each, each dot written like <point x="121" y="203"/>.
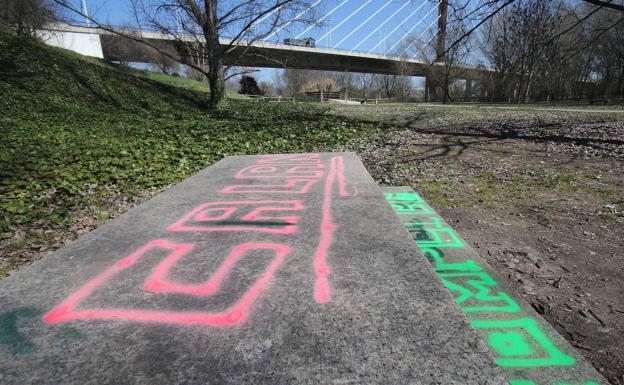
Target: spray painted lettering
<point x="281" y="174"/>
<point x="518" y="343"/>
<point x="525" y="382"/>
<point x="158" y="282"/>
<point x="241" y="216"/>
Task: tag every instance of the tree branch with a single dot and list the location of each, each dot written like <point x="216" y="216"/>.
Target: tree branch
<point x="470" y="31"/>
<point x="605" y="4"/>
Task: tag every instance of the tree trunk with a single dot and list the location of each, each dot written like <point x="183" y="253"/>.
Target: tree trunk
<point x="216" y="77"/>
<point x="527" y="91"/>
<point x="217" y="85"/>
<point x="620" y="86"/>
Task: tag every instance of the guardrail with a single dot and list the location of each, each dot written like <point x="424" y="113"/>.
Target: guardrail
<point x="324" y="96"/>
<point x="374" y="100"/>
<point x="272" y="99"/>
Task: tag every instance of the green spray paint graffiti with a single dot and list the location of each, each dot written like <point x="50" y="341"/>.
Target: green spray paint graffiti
<point x="520" y="342"/>
<point x="481" y="282"/>
<point x="524" y="382"/>
<point x="437" y="257"/>
<point x="516" y="340"/>
<point x="15" y="342"/>
<point x="10" y="337"/>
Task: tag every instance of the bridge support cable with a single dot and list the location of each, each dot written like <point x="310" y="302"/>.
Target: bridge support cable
<point x="432" y="36"/>
<point x="362" y="24"/>
<point x="322" y="18"/>
<point x="396" y="28"/>
<point x="411" y="29"/>
<point x="419" y="36"/>
<point x="293" y="20"/>
<point x="472" y="22"/>
<point x="345" y="20"/>
<point x="263" y="18"/>
<point x="381" y="25"/>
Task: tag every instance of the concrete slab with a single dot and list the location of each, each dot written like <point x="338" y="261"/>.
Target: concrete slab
<point x="286" y="269"/>
<point x="526" y="347"/>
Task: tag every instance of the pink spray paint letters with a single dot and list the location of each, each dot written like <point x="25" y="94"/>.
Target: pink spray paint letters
<point x="278" y="175"/>
<point x="221" y="216"/>
<point x="292" y="186"/>
<point x="281" y="171"/>
<point x="159" y="283"/>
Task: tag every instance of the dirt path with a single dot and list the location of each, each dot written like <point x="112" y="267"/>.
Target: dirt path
<point x="529" y="108"/>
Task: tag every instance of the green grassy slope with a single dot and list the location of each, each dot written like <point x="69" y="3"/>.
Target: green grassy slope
<point x="81" y="140"/>
<point x="177" y="81"/>
<point x="187" y="83"/>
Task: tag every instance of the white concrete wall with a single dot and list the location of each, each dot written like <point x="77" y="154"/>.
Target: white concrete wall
<point x="87" y="44"/>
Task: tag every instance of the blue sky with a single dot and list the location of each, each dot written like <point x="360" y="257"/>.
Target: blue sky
<point x="407" y="14"/>
<point x="400" y="17"/>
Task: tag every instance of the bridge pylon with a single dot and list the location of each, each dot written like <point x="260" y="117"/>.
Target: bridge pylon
<point x="442" y="20"/>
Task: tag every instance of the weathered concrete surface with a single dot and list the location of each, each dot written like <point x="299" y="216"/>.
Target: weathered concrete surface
<point x="326" y="288"/>
<point x="526" y="347"/>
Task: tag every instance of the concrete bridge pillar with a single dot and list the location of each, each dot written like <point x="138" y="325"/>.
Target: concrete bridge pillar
<point x="468" y="89"/>
<point x="433" y="89"/>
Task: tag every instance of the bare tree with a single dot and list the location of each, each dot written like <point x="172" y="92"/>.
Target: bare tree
<point x="387" y="85"/>
<point x="292" y="82"/>
<point x="126" y="51"/>
<point x="393" y="86"/>
<point x="364" y="81"/>
<point x="544" y="50"/>
<point x="444" y="70"/>
<point x="499" y="52"/>
<point x="199" y="29"/>
<point x="522" y="43"/>
<point x="26" y="16"/>
<point x="556" y="50"/>
<point x="164" y="63"/>
<point x="325" y="83"/>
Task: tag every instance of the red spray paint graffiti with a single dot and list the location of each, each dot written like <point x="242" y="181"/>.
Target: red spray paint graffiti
<point x="300" y="172"/>
<point x="158" y="282"/>
<point x="292" y="186"/>
<point x="281" y="171"/>
<point x="201" y="218"/>
<point x="321" y="268"/>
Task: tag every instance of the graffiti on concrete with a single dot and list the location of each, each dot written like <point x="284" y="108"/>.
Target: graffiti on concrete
<point x="524" y="382"/>
<point x="11" y="339"/>
<point x="519" y="344"/>
<point x="159" y="283"/>
<point x="241" y="216"/>
<point x="281" y="174"/>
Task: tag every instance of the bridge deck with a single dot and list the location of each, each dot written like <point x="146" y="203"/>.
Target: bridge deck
<point x="256" y="53"/>
<point x="258" y="270"/>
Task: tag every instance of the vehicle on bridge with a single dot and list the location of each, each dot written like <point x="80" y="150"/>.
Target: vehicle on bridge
<point x="305" y="42"/>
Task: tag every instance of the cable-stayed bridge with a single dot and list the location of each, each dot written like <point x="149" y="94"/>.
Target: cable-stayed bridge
<point x="369" y="36"/>
<point x="371" y="26"/>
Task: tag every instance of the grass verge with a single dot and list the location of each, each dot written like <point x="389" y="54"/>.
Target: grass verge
<point x="83" y="140"/>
